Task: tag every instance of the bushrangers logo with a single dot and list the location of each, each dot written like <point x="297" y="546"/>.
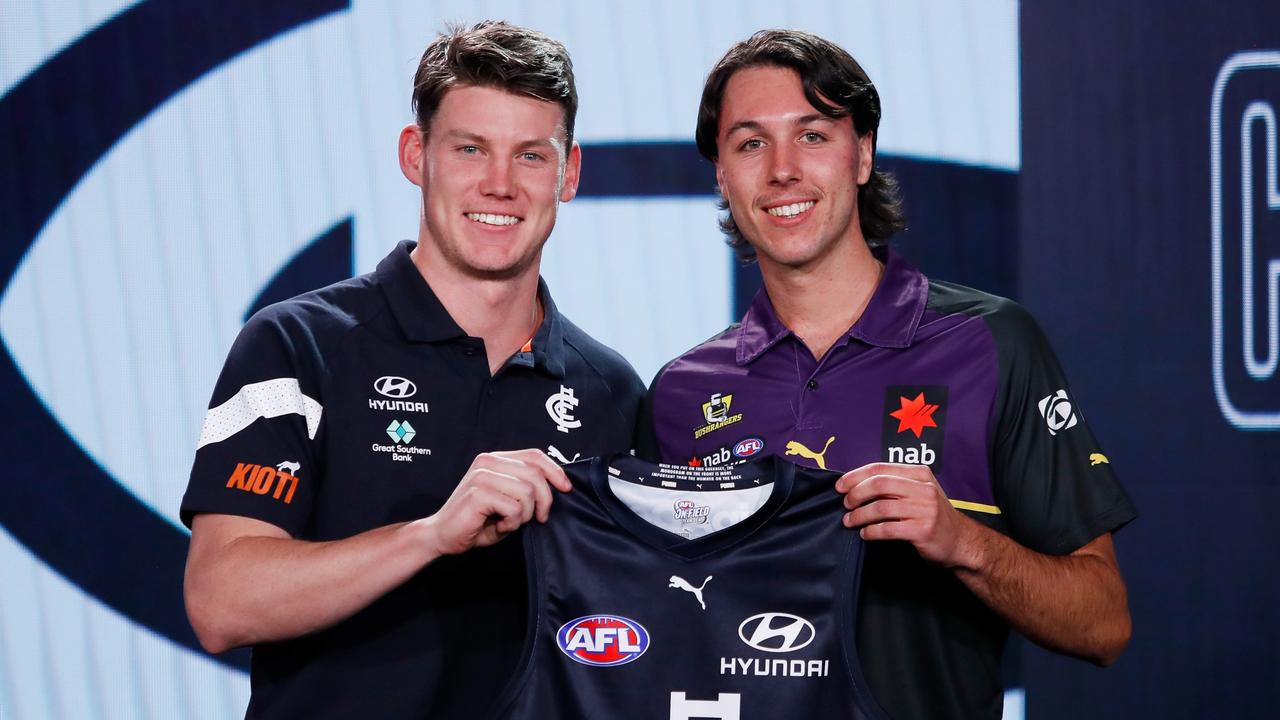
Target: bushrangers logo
<point x="603" y="640"/>
<point x="716" y="412"/>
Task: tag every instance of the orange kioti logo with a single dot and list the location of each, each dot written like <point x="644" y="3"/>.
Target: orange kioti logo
<point x="260" y="479"/>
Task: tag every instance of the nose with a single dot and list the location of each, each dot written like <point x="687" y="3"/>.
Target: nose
<point x="783" y="166"/>
<point x="497" y="181"/>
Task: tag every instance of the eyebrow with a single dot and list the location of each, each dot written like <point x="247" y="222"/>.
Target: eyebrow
<point x="757" y="127"/>
<point x="480" y="139"/>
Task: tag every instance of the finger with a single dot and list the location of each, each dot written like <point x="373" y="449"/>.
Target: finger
<point x="535" y="485"/>
<point x="887" y="510"/>
<point x="547" y="469"/>
<point x="859" y="475"/>
<point x="892" y="530"/>
<point x="878" y="486"/>
<point x="506" y="510"/>
<point x="489" y="483"/>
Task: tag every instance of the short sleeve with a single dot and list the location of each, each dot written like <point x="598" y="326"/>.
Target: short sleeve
<point x="256" y="455"/>
<point x="1050" y="476"/>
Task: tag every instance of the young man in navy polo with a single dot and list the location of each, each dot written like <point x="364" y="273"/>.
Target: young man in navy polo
<point x="985" y="501"/>
<point x="370" y="444"/>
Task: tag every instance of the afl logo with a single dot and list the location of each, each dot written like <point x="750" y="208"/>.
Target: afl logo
<point x="603" y="640"/>
<point x="748" y="447"/>
<point x="776" y="632"/>
<point x="395" y="387"/>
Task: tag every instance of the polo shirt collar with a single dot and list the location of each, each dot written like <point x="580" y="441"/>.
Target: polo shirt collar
<point x="890" y="320"/>
<point x="423" y="318"/>
<point x="549" y="347"/>
<point x="417" y="310"/>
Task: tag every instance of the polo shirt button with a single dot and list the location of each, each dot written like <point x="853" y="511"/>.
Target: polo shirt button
<point x="813" y="385"/>
<point x="469" y="352"/>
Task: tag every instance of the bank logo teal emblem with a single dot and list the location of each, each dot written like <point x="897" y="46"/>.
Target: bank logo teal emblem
<point x="401" y="432"/>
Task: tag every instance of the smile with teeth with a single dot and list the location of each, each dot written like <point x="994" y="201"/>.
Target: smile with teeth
<point x="791" y="210"/>
<point x="491" y="219"/>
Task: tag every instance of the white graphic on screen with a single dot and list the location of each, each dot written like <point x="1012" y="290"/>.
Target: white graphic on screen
<point x="1259" y="357"/>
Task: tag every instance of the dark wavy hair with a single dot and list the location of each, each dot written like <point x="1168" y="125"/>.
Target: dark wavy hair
<point x="836" y="86"/>
<point x="500" y="55"/>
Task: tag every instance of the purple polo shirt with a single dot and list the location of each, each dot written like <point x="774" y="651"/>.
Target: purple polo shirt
<point x="932" y="373"/>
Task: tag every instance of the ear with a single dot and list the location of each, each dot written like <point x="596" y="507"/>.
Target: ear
<point x="720" y="180"/>
<point x="866" y="155"/>
<point x="572" y="172"/>
<point x="412" y="142"/>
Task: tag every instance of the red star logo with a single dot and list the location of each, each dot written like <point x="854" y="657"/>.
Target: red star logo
<point x="914" y="415"/>
<point x="695" y="462"/>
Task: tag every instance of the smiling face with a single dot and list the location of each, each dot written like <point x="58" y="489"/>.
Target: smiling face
<point x="493" y="167"/>
<point x="790" y="173"/>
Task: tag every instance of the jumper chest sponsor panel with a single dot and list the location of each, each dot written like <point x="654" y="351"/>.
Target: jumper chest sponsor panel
<point x="735" y="600"/>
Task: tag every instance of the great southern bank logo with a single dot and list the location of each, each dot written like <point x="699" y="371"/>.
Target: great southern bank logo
<point x="1245" y="226"/>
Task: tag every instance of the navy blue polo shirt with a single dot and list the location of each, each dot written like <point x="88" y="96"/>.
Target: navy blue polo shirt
<point x="932" y="373"/>
<point x="360" y="405"/>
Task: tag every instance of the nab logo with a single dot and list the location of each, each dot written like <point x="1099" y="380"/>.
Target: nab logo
<point x="395" y="387"/>
<point x="719" y="457"/>
<point x="749" y="447"/>
<point x="603" y="640"/>
<point x="776" y="632"/>
<point x="914" y="421"/>
<point x="262" y="479"/>
<point x="1244" y="213"/>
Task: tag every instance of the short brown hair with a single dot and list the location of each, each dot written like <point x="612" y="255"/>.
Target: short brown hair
<point x="836" y="86"/>
<point x="496" y="54"/>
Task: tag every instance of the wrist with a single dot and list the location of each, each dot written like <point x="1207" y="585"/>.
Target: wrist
<point x="973" y="547"/>
<point x="424" y="535"/>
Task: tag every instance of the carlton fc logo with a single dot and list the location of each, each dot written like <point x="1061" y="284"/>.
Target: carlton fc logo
<point x="603" y="640"/>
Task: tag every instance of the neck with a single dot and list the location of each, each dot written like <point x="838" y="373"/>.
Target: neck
<point x="504" y="313"/>
<point x="819" y="304"/>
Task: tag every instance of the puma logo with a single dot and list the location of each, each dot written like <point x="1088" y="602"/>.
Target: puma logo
<point x="682" y="584"/>
<point x="1098" y="459"/>
<point x="289" y="466"/>
<point x="795" y="447"/>
<point x="555" y="453"/>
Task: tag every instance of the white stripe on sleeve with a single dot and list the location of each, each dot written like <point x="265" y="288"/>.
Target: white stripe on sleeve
<point x="266" y="399"/>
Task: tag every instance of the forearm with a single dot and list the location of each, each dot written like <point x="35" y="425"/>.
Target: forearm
<point x="1074" y="604"/>
<point x="254" y="588"/>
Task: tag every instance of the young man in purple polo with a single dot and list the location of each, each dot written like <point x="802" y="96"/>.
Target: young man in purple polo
<point x="986" y="502"/>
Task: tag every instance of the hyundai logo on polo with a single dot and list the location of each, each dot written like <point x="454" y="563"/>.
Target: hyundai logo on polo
<point x="603" y="640"/>
<point x="748" y="447"/>
<point x="395" y="387"/>
<point x="776" y="632"/>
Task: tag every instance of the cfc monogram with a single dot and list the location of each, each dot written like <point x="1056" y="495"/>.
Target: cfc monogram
<point x="560" y="407"/>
